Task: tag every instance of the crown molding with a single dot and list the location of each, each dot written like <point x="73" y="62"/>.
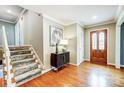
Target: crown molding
<point x="82" y="25"/>
<point x="16" y="18"/>
<point x="7" y="21"/>
<point x="71" y="23"/>
<point x="44" y="15"/>
<point x="101" y="23"/>
<point x="19" y="16"/>
<point x="52" y="19"/>
<point x="75" y="22"/>
<point x="119" y="10"/>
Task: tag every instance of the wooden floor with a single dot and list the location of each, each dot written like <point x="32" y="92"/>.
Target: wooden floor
<point x="1" y="76"/>
<point x="0" y="82"/>
<point x="86" y="75"/>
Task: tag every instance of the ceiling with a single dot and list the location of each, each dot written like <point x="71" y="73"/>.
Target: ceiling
<point x="84" y="14"/>
<point x="10" y="13"/>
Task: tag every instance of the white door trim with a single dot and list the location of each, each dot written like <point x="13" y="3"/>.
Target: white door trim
<point x="118" y="41"/>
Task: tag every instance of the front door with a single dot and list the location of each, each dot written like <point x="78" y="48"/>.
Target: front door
<point x="98" y="46"/>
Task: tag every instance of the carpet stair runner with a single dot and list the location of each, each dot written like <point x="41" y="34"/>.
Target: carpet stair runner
<point x="25" y="64"/>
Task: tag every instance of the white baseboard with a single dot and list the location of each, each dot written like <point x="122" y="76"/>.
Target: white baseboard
<point x="46" y="70"/>
<point x="79" y="63"/>
<point x="73" y="64"/>
<point x="86" y="59"/>
<point x="122" y="65"/>
<point x="114" y="64"/>
<point x="111" y="64"/>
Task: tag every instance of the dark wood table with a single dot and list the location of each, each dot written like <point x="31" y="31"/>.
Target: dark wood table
<point x="0" y="61"/>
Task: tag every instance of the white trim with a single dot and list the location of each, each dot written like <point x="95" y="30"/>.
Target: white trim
<point x="46" y="70"/>
<point x="75" y="22"/>
<point x="7" y="21"/>
<point x="86" y="59"/>
<point x="118" y="31"/>
<point x="79" y="63"/>
<point x="52" y="19"/>
<point x="122" y="65"/>
<point x="71" y="23"/>
<point x="99" y="24"/>
<point x="113" y="64"/>
<point x="117" y="47"/>
<point x="21" y="14"/>
<point x="16" y="19"/>
<point x="73" y="64"/>
<point x="120" y="7"/>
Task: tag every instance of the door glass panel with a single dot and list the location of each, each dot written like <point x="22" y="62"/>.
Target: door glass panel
<point x="94" y="41"/>
<point x="101" y="40"/>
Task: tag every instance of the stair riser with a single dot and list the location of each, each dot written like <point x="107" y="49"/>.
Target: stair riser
<point x="24" y="70"/>
<point x="28" y="77"/>
<point x="18" y="48"/>
<point x="23" y="63"/>
<point x="21" y="57"/>
<point x="20" y="52"/>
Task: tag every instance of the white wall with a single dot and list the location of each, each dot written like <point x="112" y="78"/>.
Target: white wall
<point x="110" y="41"/>
<point x="47" y="49"/>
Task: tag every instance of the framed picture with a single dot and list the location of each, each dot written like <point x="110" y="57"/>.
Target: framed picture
<point x="56" y="34"/>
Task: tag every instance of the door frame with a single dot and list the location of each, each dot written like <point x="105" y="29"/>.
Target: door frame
<point x="19" y="37"/>
<point x="107" y="42"/>
<point x="118" y="39"/>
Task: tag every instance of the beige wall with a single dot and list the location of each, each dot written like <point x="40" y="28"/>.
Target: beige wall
<point x="47" y="49"/>
<point x="110" y="41"/>
<point x="33" y="31"/>
<point x="1" y="54"/>
<point x="71" y="34"/>
<point x="75" y="34"/>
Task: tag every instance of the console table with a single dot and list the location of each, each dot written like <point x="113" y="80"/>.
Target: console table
<point x="0" y="61"/>
<point x="60" y="59"/>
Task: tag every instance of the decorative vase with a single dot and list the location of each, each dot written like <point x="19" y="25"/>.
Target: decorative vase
<point x="56" y="48"/>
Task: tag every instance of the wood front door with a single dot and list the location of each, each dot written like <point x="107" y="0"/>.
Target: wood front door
<point x="98" y="46"/>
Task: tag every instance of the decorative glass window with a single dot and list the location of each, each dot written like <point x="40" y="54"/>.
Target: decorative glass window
<point x="101" y="40"/>
<point x="94" y="41"/>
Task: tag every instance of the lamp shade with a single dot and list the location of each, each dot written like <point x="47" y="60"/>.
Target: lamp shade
<point x="63" y="42"/>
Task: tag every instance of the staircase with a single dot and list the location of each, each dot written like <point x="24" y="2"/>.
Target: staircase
<point x="20" y="63"/>
<point x="25" y="64"/>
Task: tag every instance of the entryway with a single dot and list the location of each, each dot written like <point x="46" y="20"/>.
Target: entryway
<point x="98" y="46"/>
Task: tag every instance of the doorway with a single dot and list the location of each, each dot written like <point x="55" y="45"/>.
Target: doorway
<point x="98" y="46"/>
<point x="122" y="45"/>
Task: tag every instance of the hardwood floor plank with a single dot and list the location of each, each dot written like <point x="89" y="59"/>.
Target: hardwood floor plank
<point x="86" y="75"/>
